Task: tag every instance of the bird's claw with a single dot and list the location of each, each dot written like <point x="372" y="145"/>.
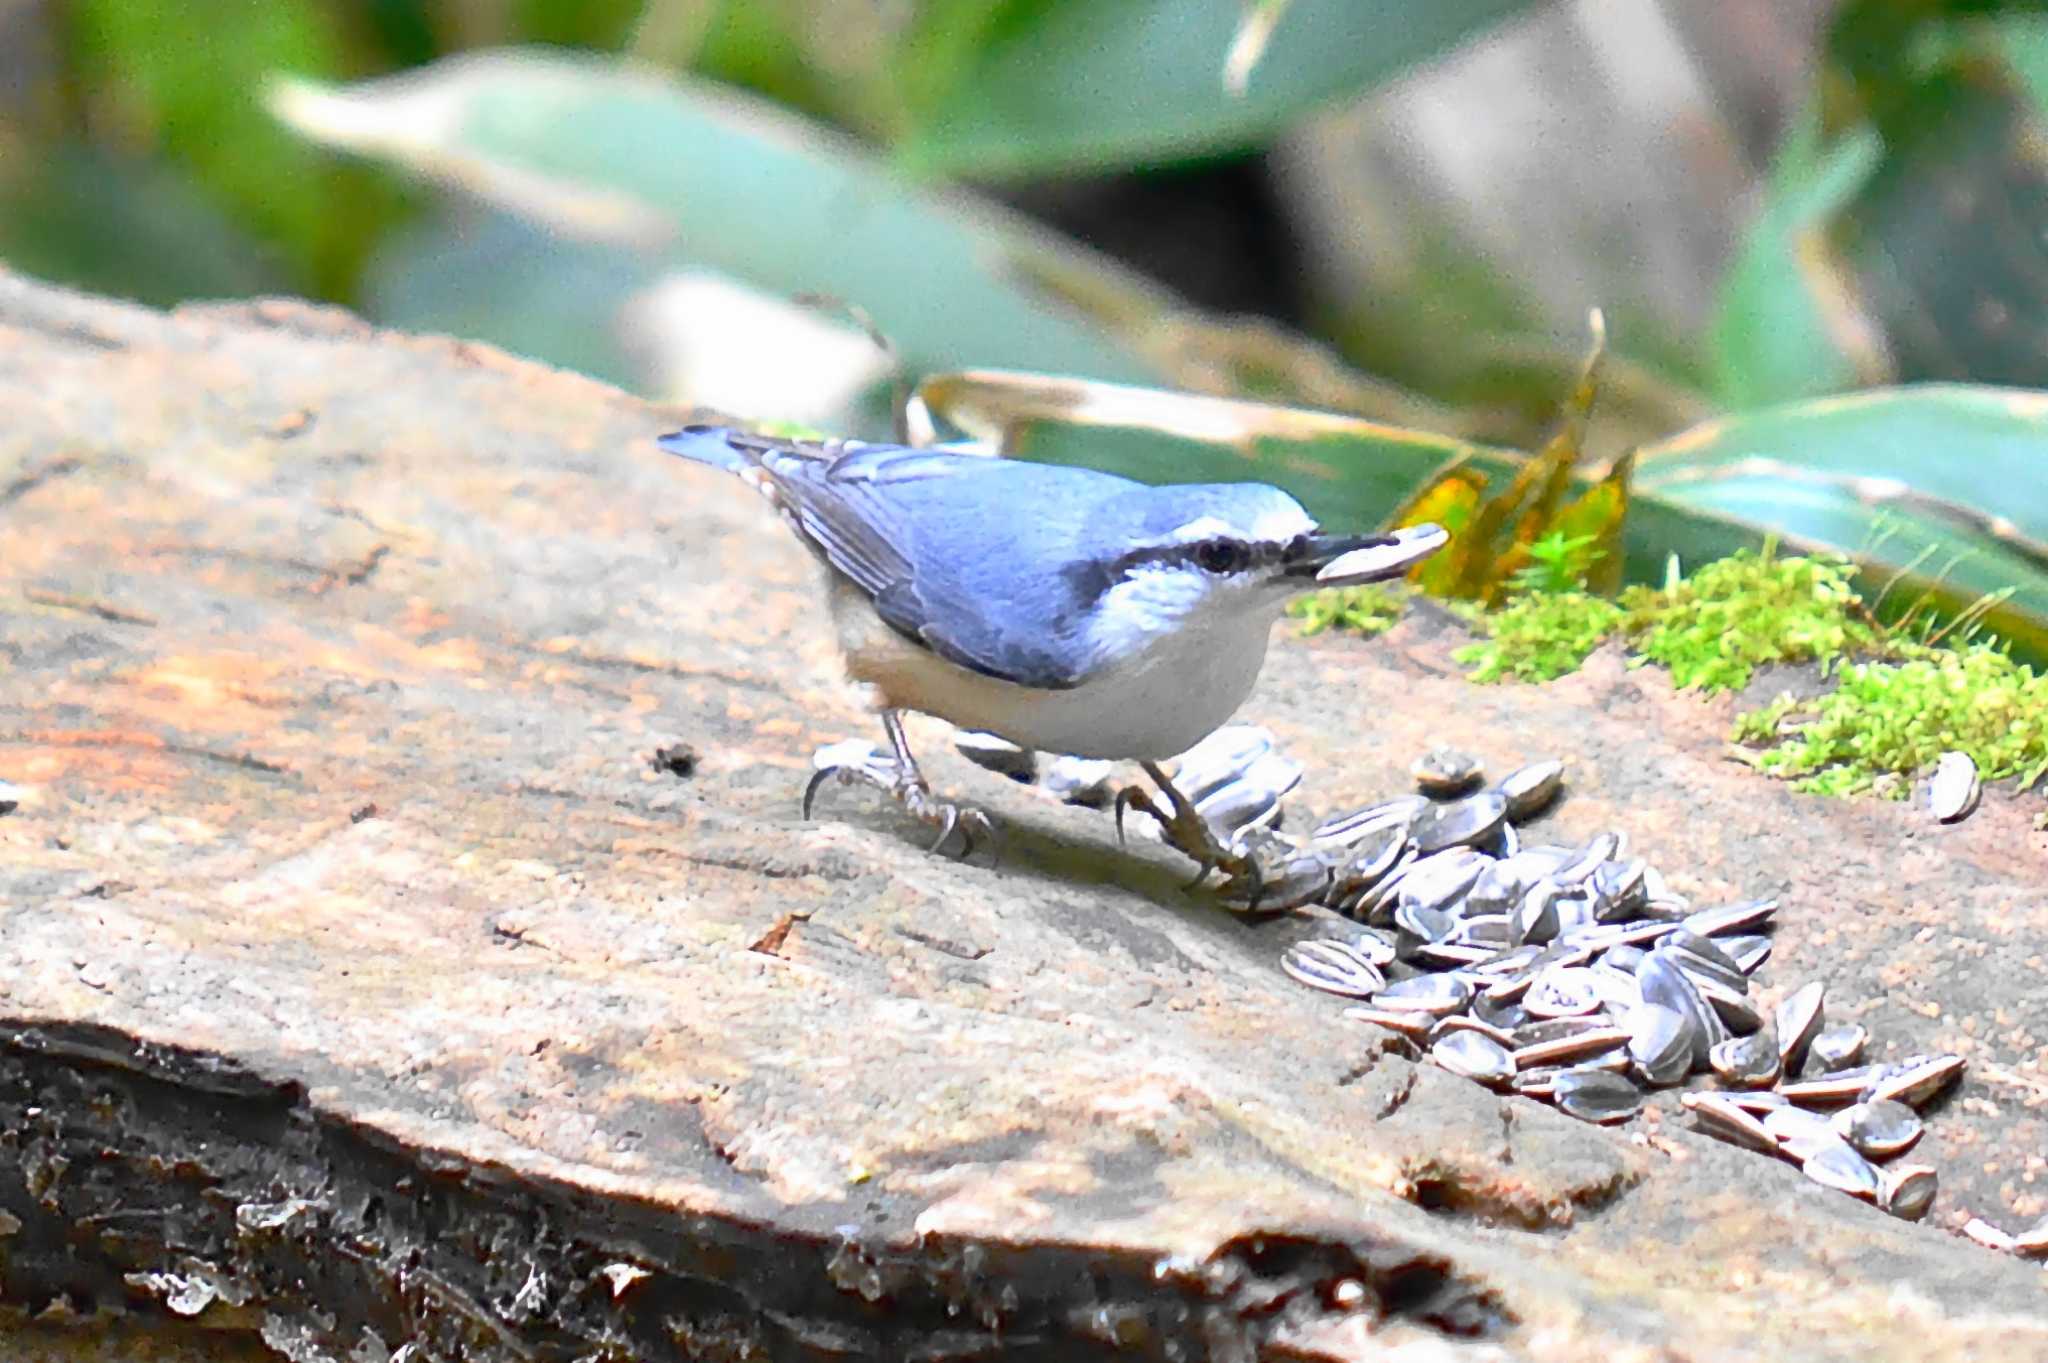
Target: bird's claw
<point x="915" y="797"/>
<point x="1189" y="834"/>
<point x="1135" y="797"/>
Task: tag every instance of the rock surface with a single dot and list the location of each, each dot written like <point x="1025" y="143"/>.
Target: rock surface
<point x="407" y="933"/>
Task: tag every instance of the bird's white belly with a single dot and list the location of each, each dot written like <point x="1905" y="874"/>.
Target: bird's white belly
<point x="1155" y="705"/>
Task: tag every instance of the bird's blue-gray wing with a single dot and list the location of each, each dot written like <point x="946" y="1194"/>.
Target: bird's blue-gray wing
<point x="955" y="550"/>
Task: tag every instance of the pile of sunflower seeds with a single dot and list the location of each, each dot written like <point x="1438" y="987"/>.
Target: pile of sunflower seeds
<point x="1570" y="974"/>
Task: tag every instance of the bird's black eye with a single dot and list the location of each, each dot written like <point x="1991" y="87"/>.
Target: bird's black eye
<point x="1221" y="556"/>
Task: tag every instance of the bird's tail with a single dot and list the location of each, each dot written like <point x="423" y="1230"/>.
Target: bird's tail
<point x="711" y="445"/>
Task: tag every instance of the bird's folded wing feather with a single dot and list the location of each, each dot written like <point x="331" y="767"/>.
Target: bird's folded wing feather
<point x="857" y="509"/>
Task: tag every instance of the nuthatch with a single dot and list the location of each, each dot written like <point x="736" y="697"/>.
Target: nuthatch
<point x="1066" y="610"/>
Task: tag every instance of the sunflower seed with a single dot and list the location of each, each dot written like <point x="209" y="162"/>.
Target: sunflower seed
<point x="1408" y="1024"/>
<point x="1220" y="759"/>
<point x="1618" y="889"/>
<point x="1437" y="879"/>
<point x="1840" y="1047"/>
<point x="1446" y="772"/>
<point x="1465" y="1022"/>
<point x="1879" y="1129"/>
<point x="1833" y="1090"/>
<point x="1474" y="1055"/>
<point x="1561" y="992"/>
<point x="1749" y="1062"/>
<point x="1594" y="1095"/>
<point x="1334" y="967"/>
<point x="1743" y="917"/>
<point x="1504" y="843"/>
<point x="1623" y="957"/>
<point x="996" y="754"/>
<point x="1570" y="1048"/>
<point x="1529" y="790"/>
<point x="1661" y="1043"/>
<point x="1725" y="1121"/>
<point x="1450" y="955"/>
<point x="1839" y="1167"/>
<point x="1749" y="952"/>
<point x="1908" y="1191"/>
<point x="1506" y="1016"/>
<point x="1346" y="830"/>
<point x="1663" y="982"/>
<point x="1733" y="1010"/>
<point x="1953" y="790"/>
<point x="1437" y="994"/>
<point x="1079" y="780"/>
<point x="1797" y="1126"/>
<point x="1460" y="823"/>
<point x="1421" y="922"/>
<point x="1703" y="957"/>
<point x="1918" y="1080"/>
<point x="1798" y="1022"/>
<point x="1536" y="917"/>
<point x="1301" y="879"/>
<point x="1497" y="889"/>
<point x="1370" y="857"/>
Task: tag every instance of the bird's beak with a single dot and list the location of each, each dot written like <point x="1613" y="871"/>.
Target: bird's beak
<point x="1347" y="560"/>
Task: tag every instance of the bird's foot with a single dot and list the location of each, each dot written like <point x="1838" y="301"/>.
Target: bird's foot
<point x="1188" y="833"/>
<point x="855" y="763"/>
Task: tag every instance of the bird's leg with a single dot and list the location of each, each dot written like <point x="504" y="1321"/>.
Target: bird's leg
<point x="907" y="785"/>
<point x="1187" y="831"/>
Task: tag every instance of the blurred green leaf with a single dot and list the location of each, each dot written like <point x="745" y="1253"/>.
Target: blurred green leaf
<point x="494" y="277"/>
<point x="690" y="173"/>
<point x="604" y="24"/>
<point x="1067" y="85"/>
<point x="1787" y="325"/>
<point x="187" y="78"/>
<point x="136" y="229"/>
<point x="1944" y="236"/>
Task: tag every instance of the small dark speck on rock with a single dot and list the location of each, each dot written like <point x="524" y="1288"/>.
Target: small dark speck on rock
<point x="362" y="812"/>
<point x="677" y="759"/>
<point x="10" y="798"/>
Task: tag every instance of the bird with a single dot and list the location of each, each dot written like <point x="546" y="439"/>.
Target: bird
<point x="1065" y="609"/>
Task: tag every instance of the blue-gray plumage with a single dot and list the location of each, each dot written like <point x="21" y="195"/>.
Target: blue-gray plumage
<point x="1065" y="609"/>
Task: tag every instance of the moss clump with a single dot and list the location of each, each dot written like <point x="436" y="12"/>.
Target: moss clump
<point x="1368" y="610"/>
<point x="1538" y="636"/>
<point x="1899" y="716"/>
<point x="1712" y="630"/>
<point x="1715" y="628"/>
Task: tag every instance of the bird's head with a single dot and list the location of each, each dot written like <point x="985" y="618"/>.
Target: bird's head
<point x="1191" y="552"/>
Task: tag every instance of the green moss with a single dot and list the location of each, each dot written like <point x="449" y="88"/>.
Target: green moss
<point x="1899" y="716"/>
<point x="1368" y="610"/>
<point x="1715" y="628"/>
<point x="1889" y="716"/>
<point x="1537" y="636"/>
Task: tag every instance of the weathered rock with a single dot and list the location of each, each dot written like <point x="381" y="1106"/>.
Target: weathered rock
<point x="367" y="978"/>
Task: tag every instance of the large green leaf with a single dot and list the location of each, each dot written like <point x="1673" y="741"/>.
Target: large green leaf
<point x="1889" y="477"/>
<point x="1064" y="85"/>
<point x="1944" y="480"/>
<point x="699" y="175"/>
<point x="1787" y="325"/>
